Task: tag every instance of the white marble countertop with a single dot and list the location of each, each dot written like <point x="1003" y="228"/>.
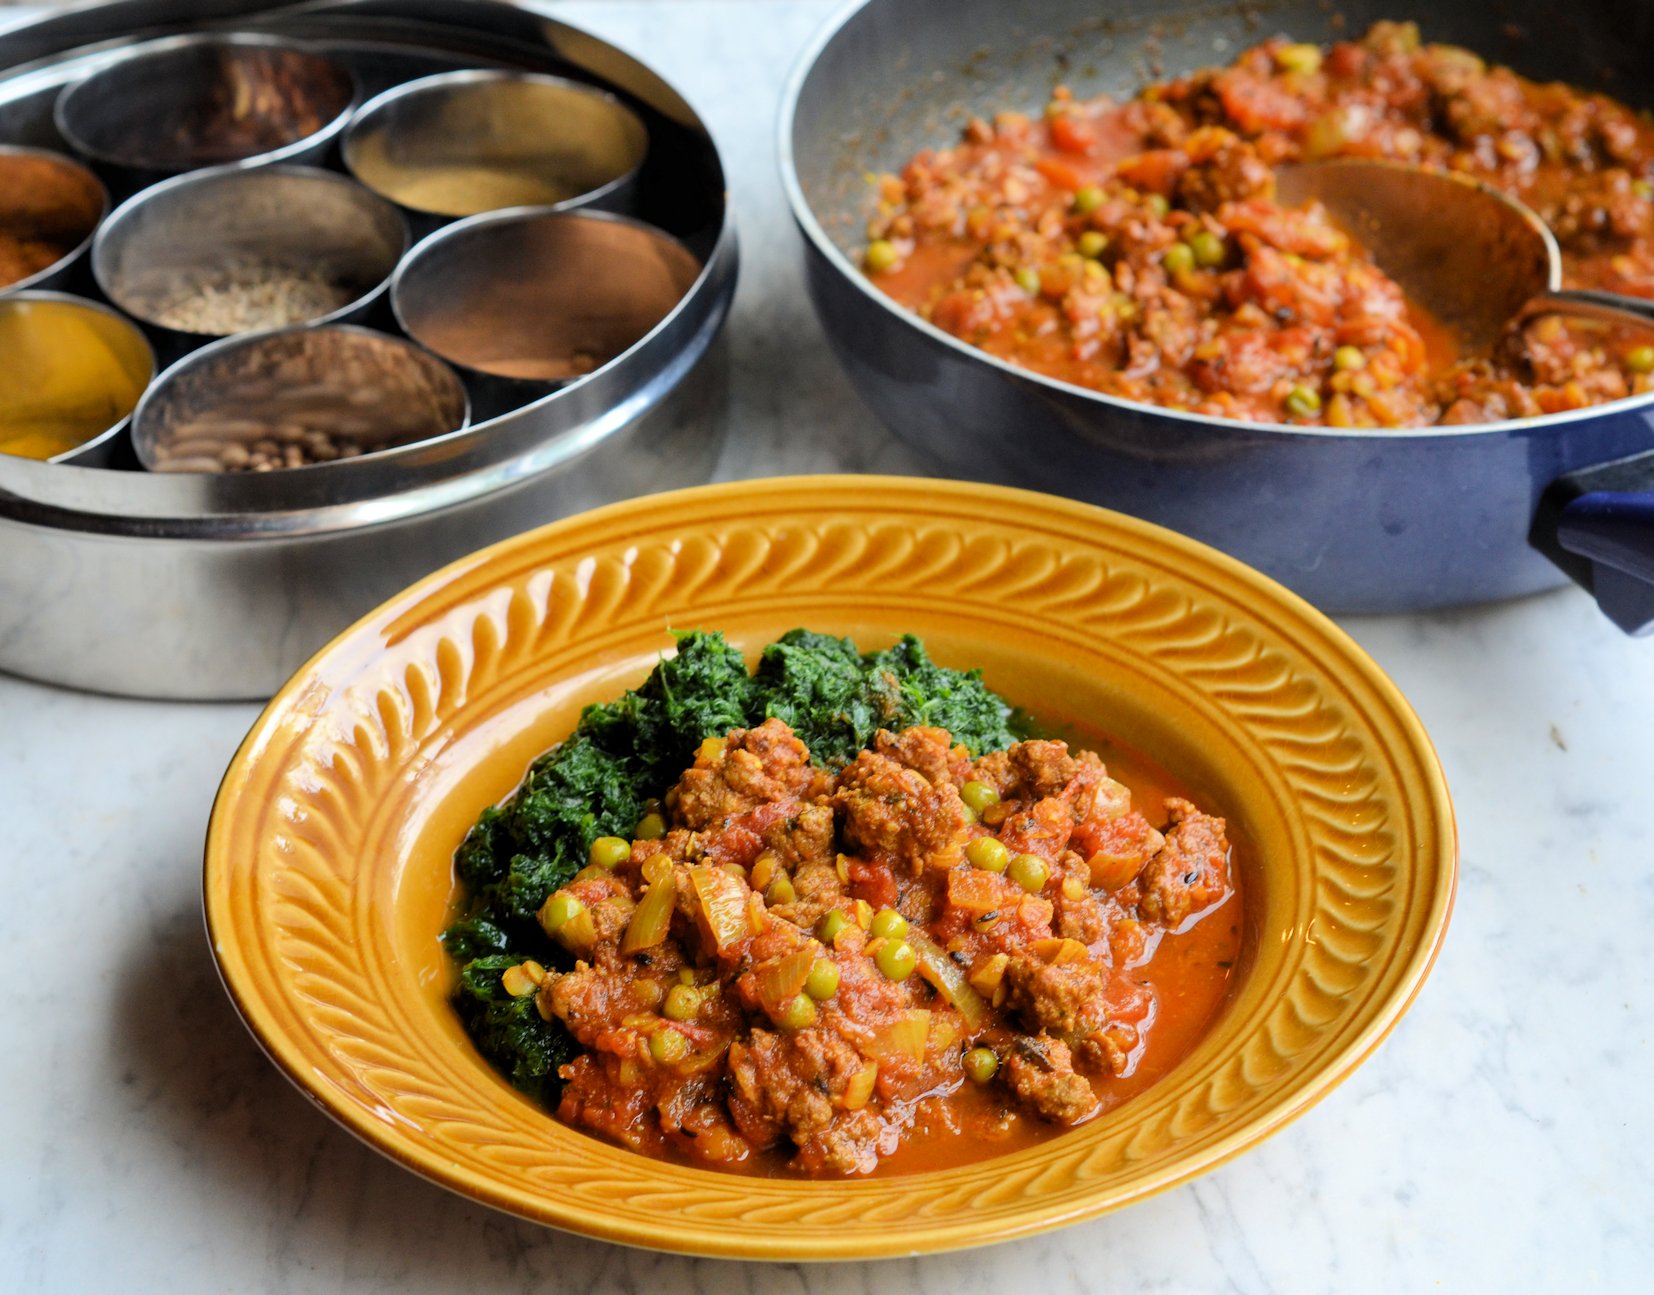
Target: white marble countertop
<point x="1498" y="1141"/>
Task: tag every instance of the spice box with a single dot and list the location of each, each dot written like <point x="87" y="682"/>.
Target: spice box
<point x="206" y="556"/>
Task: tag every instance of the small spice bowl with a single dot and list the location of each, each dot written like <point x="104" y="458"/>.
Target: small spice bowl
<point x="461" y="143"/>
<point x="186" y="102"/>
<point x="231" y="250"/>
<point x="71" y="372"/>
<point x="295" y="398"/>
<point x="50" y="207"/>
<point x="524" y="302"/>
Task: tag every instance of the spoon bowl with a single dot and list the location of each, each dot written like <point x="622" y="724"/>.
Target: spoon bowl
<point x="1474" y="257"/>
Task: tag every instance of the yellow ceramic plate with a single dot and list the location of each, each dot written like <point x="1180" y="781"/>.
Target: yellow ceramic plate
<point x="328" y="866"/>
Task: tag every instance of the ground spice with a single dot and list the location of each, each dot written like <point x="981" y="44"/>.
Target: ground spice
<point x="249" y="294"/>
<point x="71" y="372"/>
<point x="464" y="190"/>
<point x="48" y="207"/>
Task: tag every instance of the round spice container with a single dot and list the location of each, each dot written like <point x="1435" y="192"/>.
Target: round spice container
<point x="461" y="143"/>
<point x="71" y="372"/>
<point x="233" y="250"/>
<point x="50" y="207"/>
<point x="191" y="101"/>
<point x="526" y="301"/>
<point x="295" y="398"/>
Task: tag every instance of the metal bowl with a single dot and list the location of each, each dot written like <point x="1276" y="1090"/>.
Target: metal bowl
<point x="526" y="301"/>
<point x="225" y="227"/>
<point x="217" y="585"/>
<point x="303" y="397"/>
<point x="71" y="222"/>
<point x="205" y="99"/>
<point x="1369" y="521"/>
<point x="461" y="143"/>
<point x="43" y="335"/>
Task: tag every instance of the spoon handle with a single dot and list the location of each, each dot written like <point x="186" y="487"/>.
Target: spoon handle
<point x="1609" y="307"/>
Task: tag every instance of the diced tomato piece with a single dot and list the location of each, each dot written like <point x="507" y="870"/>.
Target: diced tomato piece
<point x="873" y="882"/>
<point x="975" y="890"/>
<point x="1073" y="134"/>
<point x="1256" y="104"/>
<point x="1062" y="173"/>
<point x="1346" y="60"/>
<point x="1155" y="171"/>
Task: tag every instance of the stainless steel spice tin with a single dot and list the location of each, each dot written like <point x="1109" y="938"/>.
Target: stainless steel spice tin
<point x="219" y="584"/>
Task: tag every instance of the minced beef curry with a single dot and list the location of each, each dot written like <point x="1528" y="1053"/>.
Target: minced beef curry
<point x="908" y="959"/>
<point x="1136" y="248"/>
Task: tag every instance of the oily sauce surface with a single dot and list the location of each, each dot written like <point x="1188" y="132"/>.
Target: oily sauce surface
<point x="1190" y="975"/>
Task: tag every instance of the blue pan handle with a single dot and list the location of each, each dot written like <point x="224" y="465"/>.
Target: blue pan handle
<point x="1597" y="524"/>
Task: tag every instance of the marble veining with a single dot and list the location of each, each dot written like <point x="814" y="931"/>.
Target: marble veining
<point x="1497" y="1141"/>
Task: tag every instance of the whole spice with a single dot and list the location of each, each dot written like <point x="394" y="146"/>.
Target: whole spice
<point x="215" y="103"/>
<point x="296" y="399"/>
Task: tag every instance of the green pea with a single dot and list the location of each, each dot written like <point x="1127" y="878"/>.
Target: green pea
<point x="1087" y="199"/>
<point x="882" y="255"/>
<point x="1303" y="402"/>
<point x="610" y="851"/>
<point x="896" y="959"/>
<point x="1157" y="205"/>
<point x="889" y="924"/>
<point x="1209" y="249"/>
<point x="682" y="1002"/>
<point x="1030" y="872"/>
<point x="1178" y="259"/>
<point x="978" y="795"/>
<point x="651" y="827"/>
<point x="559" y="911"/>
<point x="667" y="1046"/>
<point x="830" y="925"/>
<point x="1028" y="280"/>
<point x="1093" y="243"/>
<point x="1640" y="359"/>
<point x="822" y="982"/>
<point x="981" y="1064"/>
<point x="798" y="1013"/>
<point x="988" y="853"/>
<point x="1349" y="358"/>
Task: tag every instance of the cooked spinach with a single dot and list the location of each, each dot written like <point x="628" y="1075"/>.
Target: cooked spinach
<point x="625" y="752"/>
<point x="510" y="1031"/>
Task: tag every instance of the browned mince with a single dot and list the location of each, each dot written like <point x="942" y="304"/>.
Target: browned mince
<point x="780" y="1017"/>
